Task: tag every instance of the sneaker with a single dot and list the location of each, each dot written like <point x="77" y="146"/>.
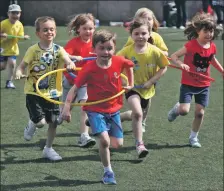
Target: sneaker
<point x="172" y="113"/>
<point x="51" y="154"/>
<point x="143" y="127"/>
<point x="194" y="142"/>
<point x="182" y="27"/>
<point x="9" y="85"/>
<point x="109" y="178"/>
<point x="86" y="141"/>
<point x="141" y="150"/>
<point x="29" y="131"/>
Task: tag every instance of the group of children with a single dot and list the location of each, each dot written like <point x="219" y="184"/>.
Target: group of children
<point x="143" y="60"/>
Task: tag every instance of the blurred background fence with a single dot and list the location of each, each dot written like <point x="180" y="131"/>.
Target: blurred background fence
<point x="105" y="11"/>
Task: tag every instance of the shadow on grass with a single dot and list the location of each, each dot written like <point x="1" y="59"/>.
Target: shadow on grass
<point x="12" y="160"/>
<point x="56" y="182"/>
<point x="68" y="135"/>
<point x="41" y="143"/>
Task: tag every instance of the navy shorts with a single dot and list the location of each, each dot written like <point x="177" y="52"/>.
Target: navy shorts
<point x="144" y="102"/>
<point x="40" y="108"/>
<point x="5" y="58"/>
<point x="201" y="94"/>
<point x="100" y="122"/>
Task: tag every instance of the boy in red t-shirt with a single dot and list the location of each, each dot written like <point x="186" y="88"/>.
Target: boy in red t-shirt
<point x="103" y="81"/>
<point x="199" y="52"/>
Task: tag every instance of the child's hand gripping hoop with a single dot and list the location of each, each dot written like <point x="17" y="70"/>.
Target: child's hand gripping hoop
<point x="84" y="59"/>
<point x="74" y="104"/>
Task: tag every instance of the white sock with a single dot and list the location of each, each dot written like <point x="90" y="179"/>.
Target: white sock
<point x="193" y="135"/>
<point x="106" y="169"/>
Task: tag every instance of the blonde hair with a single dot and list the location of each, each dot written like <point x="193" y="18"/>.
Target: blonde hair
<point x="140" y="12"/>
<point x="79" y="20"/>
<point x="103" y="36"/>
<point x="41" y="20"/>
<point x="200" y="21"/>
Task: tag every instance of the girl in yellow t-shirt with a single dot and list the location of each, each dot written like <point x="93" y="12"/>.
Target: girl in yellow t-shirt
<point x="154" y="39"/>
<point x="146" y="58"/>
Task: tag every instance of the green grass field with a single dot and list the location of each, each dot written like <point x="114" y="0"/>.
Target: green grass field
<point x="171" y="164"/>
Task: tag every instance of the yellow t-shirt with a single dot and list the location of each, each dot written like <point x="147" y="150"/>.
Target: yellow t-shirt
<point x="39" y="62"/>
<point x="10" y="46"/>
<point x="145" y="66"/>
<point x="157" y="41"/>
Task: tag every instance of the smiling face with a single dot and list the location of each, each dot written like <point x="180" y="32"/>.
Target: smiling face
<point x="205" y="36"/>
<point x="14" y="16"/>
<point x="140" y="35"/>
<point x="86" y="30"/>
<point x="47" y="31"/>
<point x="104" y="51"/>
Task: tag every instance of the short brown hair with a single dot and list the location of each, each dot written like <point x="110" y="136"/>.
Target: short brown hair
<point x="103" y="36"/>
<point x="43" y="19"/>
<point x="138" y="23"/>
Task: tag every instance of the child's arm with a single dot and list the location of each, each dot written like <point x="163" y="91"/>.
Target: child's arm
<point x="130" y="75"/>
<point x="70" y="65"/>
<point x="76" y="58"/>
<point x="20" y="70"/>
<point x="155" y="78"/>
<point x="175" y="58"/>
<point x="217" y="65"/>
<point x="66" y="114"/>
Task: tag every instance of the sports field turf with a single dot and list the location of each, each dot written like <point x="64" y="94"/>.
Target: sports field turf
<point x="171" y="164"/>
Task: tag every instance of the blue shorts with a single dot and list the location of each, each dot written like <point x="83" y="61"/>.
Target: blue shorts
<point x="5" y="58"/>
<point x="201" y="94"/>
<point x="100" y="122"/>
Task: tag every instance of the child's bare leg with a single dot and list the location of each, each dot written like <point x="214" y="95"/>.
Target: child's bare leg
<point x="104" y="143"/>
<point x="48" y="151"/>
<point x="83" y="118"/>
<point x="126" y="116"/>
<point x="196" y="125"/>
<point x="11" y="68"/>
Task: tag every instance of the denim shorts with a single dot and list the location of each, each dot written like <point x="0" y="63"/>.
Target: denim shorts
<point x="100" y="122"/>
<point x="5" y="58"/>
<point x="201" y="94"/>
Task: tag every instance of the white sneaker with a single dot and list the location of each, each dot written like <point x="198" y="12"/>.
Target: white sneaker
<point x="86" y="141"/>
<point x="141" y="150"/>
<point x="29" y="131"/>
<point x="51" y="154"/>
<point x="9" y="85"/>
<point x="194" y="142"/>
<point x="172" y="113"/>
<point x="182" y="27"/>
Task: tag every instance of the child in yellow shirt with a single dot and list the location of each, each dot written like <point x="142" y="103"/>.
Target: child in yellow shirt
<point x="9" y="46"/>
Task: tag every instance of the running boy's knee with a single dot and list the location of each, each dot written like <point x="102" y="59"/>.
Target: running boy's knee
<point x="104" y="143"/>
<point x="117" y="144"/>
<point x="2" y="67"/>
<point x="41" y="123"/>
<point x="199" y="114"/>
<point x="183" y="111"/>
<point x="137" y="116"/>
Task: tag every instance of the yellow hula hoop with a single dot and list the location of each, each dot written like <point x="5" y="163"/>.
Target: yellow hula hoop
<point x="74" y="104"/>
